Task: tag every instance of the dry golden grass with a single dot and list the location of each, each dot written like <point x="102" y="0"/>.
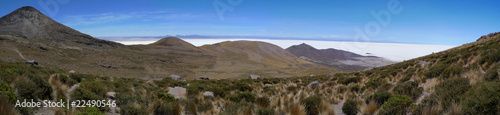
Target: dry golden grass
<point x="369" y="109"/>
<point x="474" y="76"/>
<point x="326" y="108"/>
<point x="455" y="109"/>
<point x="297" y="109"/>
<point x="429" y="84"/>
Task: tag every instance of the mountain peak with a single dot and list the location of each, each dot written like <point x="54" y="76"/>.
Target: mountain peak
<point x="176" y="43"/>
<point x="302" y="46"/>
<point x="27" y="22"/>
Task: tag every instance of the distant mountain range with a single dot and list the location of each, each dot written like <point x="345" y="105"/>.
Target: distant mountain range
<point x="339" y="59"/>
<point x="27" y="34"/>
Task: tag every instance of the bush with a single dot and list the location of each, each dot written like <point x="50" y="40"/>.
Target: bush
<point x="91" y="111"/>
<point x="490" y="57"/>
<point x="243" y="87"/>
<point x="292" y="88"/>
<point x="492" y="73"/>
<point x="436" y="71"/>
<point x="6" y="90"/>
<point x="26" y="89"/>
<point x="482" y="99"/>
<point x="44" y="89"/>
<point x="379" y="97"/>
<point x="94" y="87"/>
<point x="396" y="105"/>
<point x="268" y="89"/>
<point x="312" y="104"/>
<point x="348" y="80"/>
<point x="204" y="106"/>
<point x="452" y="70"/>
<point x="265" y="111"/>
<point x="249" y="97"/>
<point x="451" y="90"/>
<point x="409" y="88"/>
<point x="263" y="102"/>
<point x="165" y="96"/>
<point x="67" y="80"/>
<point x="355" y="88"/>
<point x="83" y="94"/>
<point x="131" y="109"/>
<point x="375" y="82"/>
<point x="350" y="107"/>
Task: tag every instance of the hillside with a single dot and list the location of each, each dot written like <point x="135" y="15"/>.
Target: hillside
<point x="27" y="22"/>
<point x="462" y="80"/>
<point x="338" y="59"/>
<point x="27" y="34"/>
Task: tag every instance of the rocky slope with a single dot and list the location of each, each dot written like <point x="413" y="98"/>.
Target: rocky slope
<point x="339" y="59"/>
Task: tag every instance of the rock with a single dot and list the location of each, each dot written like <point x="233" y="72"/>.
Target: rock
<point x="311" y="75"/>
<point x="267" y="84"/>
<point x="150" y="82"/>
<point x="208" y="93"/>
<point x="31" y="62"/>
<point x="202" y="78"/>
<point x="178" y="92"/>
<point x="253" y="76"/>
<point x="422" y="63"/>
<point x="111" y="94"/>
<point x="72" y="71"/>
<point x="330" y="75"/>
<point x="176" y="77"/>
<point x="314" y="83"/>
<point x="488" y="36"/>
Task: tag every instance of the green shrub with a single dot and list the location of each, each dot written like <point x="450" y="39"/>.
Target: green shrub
<point x="452" y="70"/>
<point x="396" y="105"/>
<point x="292" y="88"/>
<point x="350" y="107"/>
<point x="94" y="87"/>
<point x="8" y="91"/>
<point x="312" y="104"/>
<point x="265" y="111"/>
<point x="348" y="80"/>
<point x="263" y="101"/>
<point x="268" y="89"/>
<point x="490" y="57"/>
<point x="451" y="90"/>
<point x="379" y="97"/>
<point x="27" y="89"/>
<point x="243" y="87"/>
<point x="131" y="109"/>
<point x="482" y="99"/>
<point x="249" y="97"/>
<point x="44" y="89"/>
<point x="165" y="96"/>
<point x="83" y="94"/>
<point x="91" y="111"/>
<point x="375" y="82"/>
<point x="204" y="106"/>
<point x="492" y="73"/>
<point x="409" y="88"/>
<point x="67" y="80"/>
<point x="355" y="88"/>
<point x="436" y="71"/>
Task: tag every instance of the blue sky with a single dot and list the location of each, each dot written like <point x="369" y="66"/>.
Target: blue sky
<point x="449" y="22"/>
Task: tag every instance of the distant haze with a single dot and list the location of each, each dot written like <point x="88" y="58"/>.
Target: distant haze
<point x="391" y="51"/>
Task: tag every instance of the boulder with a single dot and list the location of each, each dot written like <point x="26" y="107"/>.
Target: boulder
<point x="253" y="76"/>
<point x="111" y="94"/>
<point x="422" y="63"/>
<point x="31" y="62"/>
<point x="202" y="78"/>
<point x="176" y="77"/>
<point x="208" y="93"/>
<point x="71" y="71"/>
<point x="314" y="83"/>
<point x="178" y="92"/>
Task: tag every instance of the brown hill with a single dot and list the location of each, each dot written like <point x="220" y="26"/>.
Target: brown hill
<point x="339" y="59"/>
<point x="28" y="22"/>
<point x="27" y="34"/>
